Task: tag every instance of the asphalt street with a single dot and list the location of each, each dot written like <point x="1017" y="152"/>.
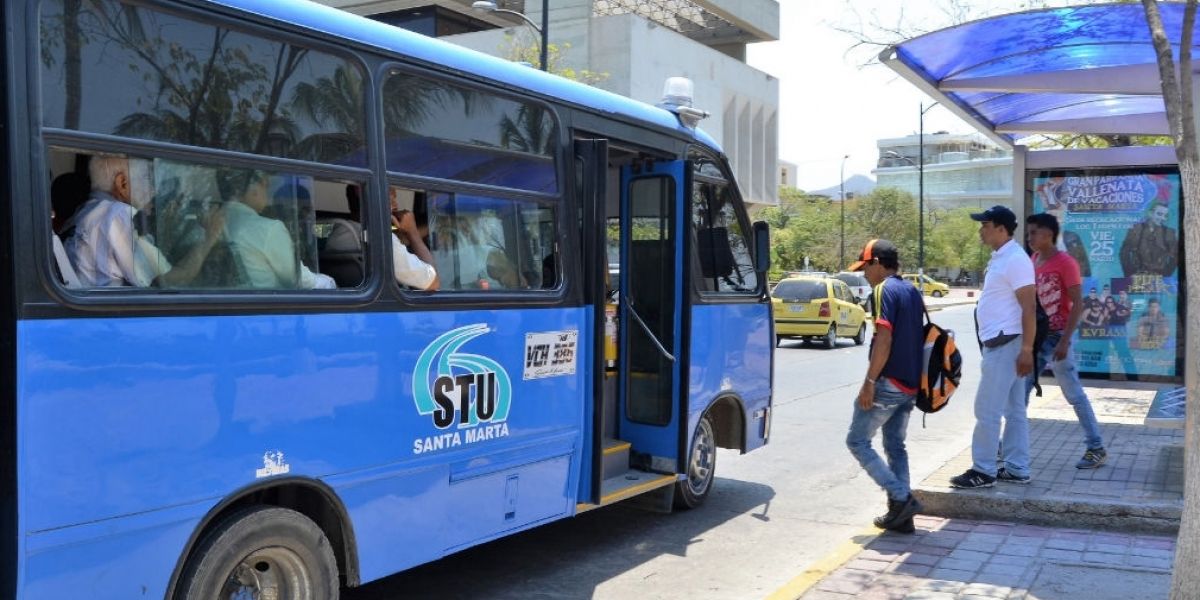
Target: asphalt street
<point x="772" y="513"/>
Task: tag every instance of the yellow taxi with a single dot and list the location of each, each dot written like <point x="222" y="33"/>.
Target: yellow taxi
<point x="817" y="308"/>
<point x="928" y="285"/>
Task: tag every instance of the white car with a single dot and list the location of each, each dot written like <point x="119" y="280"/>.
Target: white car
<point x="859" y="285"/>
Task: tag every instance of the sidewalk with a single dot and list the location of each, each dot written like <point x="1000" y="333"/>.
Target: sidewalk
<point x="1139" y="488"/>
<point x="1102" y="534"/>
<point x="956" y="297"/>
<point x="962" y="559"/>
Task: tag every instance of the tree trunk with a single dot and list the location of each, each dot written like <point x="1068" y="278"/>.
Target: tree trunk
<point x="1185" y="580"/>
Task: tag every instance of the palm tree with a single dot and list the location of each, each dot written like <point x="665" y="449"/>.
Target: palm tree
<point x="533" y="131"/>
<point x="337" y="100"/>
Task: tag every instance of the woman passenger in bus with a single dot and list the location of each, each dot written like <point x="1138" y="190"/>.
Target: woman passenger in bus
<point x="105" y="248"/>
<point x="262" y="247"/>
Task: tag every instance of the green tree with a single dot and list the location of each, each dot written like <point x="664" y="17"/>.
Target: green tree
<point x="527" y="49"/>
<point x="952" y="240"/>
<point x="803" y="226"/>
<point x="886" y="213"/>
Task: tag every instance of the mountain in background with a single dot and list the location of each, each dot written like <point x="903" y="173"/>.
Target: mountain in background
<point x="856" y="185"/>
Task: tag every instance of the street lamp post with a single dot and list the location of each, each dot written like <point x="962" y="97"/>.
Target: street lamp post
<point x="842" y="198"/>
<point x="921" y="188"/>
<point x="543" y="31"/>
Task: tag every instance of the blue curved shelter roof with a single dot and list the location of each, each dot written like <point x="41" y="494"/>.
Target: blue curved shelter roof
<point x="1083" y="69"/>
<point x="318" y="17"/>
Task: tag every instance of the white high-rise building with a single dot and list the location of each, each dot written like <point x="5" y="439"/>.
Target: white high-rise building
<point x="961" y="170"/>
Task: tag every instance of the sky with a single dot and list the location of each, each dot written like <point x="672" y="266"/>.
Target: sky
<point x="829" y="106"/>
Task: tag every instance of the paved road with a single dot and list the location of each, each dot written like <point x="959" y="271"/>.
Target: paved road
<point x="772" y="513"/>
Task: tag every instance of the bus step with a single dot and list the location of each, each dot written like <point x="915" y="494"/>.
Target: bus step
<point x="616" y="458"/>
<point x="632" y="483"/>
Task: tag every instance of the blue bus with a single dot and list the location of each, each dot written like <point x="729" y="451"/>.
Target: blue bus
<point x="219" y="380"/>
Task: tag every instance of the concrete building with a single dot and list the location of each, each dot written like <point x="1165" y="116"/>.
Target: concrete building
<point x="788" y="172"/>
<point x="961" y="170"/>
<point x="635" y="45"/>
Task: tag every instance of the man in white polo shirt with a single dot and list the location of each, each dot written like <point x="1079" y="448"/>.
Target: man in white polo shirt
<point x="1006" y="320"/>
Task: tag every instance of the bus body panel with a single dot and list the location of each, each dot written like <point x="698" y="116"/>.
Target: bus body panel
<point x="130" y="557"/>
<point x="731" y="353"/>
<point x="126" y="416"/>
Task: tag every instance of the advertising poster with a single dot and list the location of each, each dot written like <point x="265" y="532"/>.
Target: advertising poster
<point x="1122" y="227"/>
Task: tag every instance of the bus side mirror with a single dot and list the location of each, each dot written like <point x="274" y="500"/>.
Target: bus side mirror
<point x="762" y="247"/>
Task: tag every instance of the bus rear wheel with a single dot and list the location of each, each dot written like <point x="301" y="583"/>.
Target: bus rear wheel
<point x="262" y="552"/>
<point x="701" y="464"/>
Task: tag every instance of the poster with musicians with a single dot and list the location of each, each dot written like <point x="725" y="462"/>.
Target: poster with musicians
<point x="1122" y="227"/>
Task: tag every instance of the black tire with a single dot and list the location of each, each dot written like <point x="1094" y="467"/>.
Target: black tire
<point x="260" y="548"/>
<point x="701" y="465"/>
<point x="830" y="338"/>
<point x="861" y="336"/>
<point x="936" y="293"/>
<point x="778" y="341"/>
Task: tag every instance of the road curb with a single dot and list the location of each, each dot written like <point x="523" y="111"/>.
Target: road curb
<point x="1072" y="512"/>
<point x="938" y="307"/>
<point x="825" y="565"/>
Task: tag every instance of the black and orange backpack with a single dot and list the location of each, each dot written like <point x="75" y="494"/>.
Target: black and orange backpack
<point x="942" y="370"/>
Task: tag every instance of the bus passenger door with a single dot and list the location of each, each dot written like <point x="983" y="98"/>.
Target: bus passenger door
<point x="649" y="313"/>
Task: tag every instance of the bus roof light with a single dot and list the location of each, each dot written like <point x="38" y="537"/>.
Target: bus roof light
<point x="677" y="98"/>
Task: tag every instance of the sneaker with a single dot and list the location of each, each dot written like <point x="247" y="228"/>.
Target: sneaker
<point x="1092" y="459"/>
<point x="898" y="512"/>
<point x="972" y="479"/>
<point x="1009" y="477"/>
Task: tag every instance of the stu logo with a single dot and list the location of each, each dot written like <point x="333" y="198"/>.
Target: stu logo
<point x="467" y="394"/>
<point x="471" y="389"/>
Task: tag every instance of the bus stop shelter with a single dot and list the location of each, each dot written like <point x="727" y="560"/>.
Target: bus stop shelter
<point x="1077" y="70"/>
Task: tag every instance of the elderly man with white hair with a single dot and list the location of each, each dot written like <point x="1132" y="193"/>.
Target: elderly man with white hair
<point x="106" y="249"/>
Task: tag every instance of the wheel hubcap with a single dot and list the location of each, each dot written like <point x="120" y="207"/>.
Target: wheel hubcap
<point x="272" y="573"/>
<point x="700" y="469"/>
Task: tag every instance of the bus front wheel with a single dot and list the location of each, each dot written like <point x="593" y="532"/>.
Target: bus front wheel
<point x="702" y="462"/>
<point x="262" y="552"/>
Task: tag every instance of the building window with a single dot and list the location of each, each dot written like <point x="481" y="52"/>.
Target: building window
<point x="432" y="21"/>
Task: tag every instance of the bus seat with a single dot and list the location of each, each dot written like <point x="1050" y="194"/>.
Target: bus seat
<point x="66" y="272"/>
<point x="341" y="256"/>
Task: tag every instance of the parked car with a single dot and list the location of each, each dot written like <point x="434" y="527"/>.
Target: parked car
<point x="817" y="308"/>
<point x="928" y="285"/>
<point x="858" y="284"/>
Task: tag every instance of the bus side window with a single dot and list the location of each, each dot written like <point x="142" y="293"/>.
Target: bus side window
<point x="723" y="247"/>
<point x="483" y="244"/>
<point x="195" y="226"/>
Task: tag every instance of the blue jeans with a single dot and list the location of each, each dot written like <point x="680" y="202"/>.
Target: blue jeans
<point x="1067" y="377"/>
<point x="1001" y="395"/>
<point x="890" y="412"/>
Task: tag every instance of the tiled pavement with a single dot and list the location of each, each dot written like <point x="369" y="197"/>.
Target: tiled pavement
<point x="961" y="559"/>
<point x="1139" y="487"/>
<point x="987" y="544"/>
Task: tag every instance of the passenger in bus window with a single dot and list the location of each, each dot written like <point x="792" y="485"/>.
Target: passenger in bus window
<point x="262" y="247"/>
<point x="106" y="249"/>
<point x="501" y="270"/>
<point x="412" y="262"/>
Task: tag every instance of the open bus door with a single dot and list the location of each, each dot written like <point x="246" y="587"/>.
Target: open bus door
<point x="650" y="309"/>
<point x="632" y="252"/>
